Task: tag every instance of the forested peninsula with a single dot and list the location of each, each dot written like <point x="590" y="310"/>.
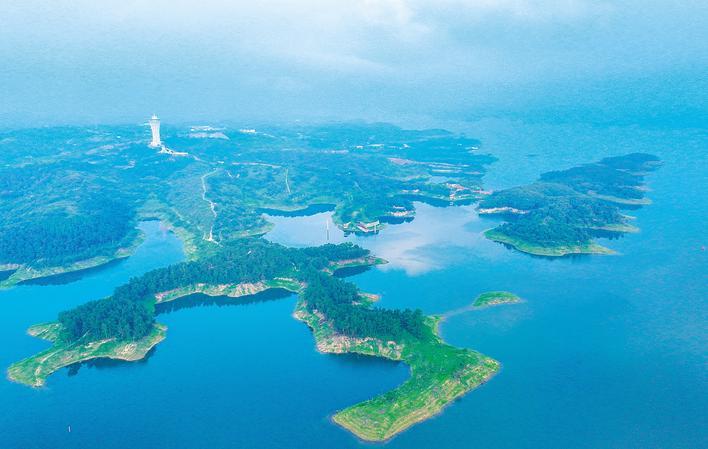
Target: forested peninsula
<point x="123" y="326"/>
<point x="565" y="210"/>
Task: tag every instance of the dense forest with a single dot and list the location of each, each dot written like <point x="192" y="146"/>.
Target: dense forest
<point x="129" y="313"/>
<point x="54" y="182"/>
<point x="564" y="207"/>
<point x="338" y="301"/>
<point x="56" y="237"/>
<point x="620" y="176"/>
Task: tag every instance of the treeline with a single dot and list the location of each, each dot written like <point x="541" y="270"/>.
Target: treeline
<point x="614" y="176"/>
<point x="558" y="210"/>
<point x="54" y="238"/>
<point x="554" y="214"/>
<point x="112" y="317"/>
<point x="529" y="197"/>
<point x="128" y="314"/>
<point x="339" y="301"/>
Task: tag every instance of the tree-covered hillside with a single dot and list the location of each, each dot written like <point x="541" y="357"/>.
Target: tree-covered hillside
<point x="566" y="209"/>
<point x="71" y="194"/>
<point x="129" y="313"/>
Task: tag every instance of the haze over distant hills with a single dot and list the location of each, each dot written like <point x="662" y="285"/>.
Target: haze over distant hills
<point x="610" y="62"/>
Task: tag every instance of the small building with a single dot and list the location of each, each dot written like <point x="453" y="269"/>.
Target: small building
<point x="372" y="226"/>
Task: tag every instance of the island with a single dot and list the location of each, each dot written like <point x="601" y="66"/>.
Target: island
<point x="341" y="317"/>
<point x="495" y="298"/>
<point x="565" y="210"/>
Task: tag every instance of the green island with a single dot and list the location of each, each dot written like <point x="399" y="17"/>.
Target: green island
<point x="565" y="210"/>
<point x="495" y="298"/>
<point x="341" y="317"/>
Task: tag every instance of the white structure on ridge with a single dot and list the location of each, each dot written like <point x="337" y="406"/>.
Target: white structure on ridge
<point x="155" y="127"/>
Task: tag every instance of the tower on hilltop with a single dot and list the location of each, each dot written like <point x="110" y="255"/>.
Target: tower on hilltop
<point x="155" y="128"/>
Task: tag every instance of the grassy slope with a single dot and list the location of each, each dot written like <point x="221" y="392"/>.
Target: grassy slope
<point x="34" y="370"/>
<point x="353" y="263"/>
<point x="551" y="251"/>
<point x="439" y="374"/>
<point x="230" y="290"/>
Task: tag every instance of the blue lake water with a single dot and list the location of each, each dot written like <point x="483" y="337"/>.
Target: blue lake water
<point x="605" y="351"/>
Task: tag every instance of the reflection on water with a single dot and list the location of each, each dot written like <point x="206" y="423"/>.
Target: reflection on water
<point x="309" y="210"/>
<point x="413" y="246"/>
<point x="351" y="271"/>
<point x="352" y="361"/>
<point x="437" y="202"/>
<point x="73" y="276"/>
<point x="105" y="363"/>
<point x="201" y="300"/>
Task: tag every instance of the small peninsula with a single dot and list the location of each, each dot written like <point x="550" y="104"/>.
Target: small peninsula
<point x="341" y="317"/>
<point x="564" y="211"/>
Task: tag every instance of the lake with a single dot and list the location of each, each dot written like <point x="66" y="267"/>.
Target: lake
<point x="605" y="351"/>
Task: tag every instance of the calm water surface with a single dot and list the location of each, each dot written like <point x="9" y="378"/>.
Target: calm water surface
<point x="605" y="352"/>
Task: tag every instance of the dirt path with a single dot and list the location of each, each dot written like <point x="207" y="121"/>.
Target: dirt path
<point x="212" y="205"/>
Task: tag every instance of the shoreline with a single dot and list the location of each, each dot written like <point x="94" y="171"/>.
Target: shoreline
<point x="439" y="374"/>
<point x="34" y="371"/>
<point x="24" y="272"/>
<point x="545" y="251"/>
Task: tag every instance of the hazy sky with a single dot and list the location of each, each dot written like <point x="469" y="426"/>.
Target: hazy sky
<point x="109" y="61"/>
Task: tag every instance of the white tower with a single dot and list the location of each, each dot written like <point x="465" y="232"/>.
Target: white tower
<point x="155" y="127"/>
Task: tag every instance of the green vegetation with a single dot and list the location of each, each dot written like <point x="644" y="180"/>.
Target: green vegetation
<point x="495" y="298"/>
<point x="122" y="326"/>
<point x="565" y="210"/>
<point x="128" y="313"/>
<point x="439" y="374"/>
<point x="34" y="371"/>
<point x="22" y="273"/>
<point x="70" y="197"/>
<point x="243" y="267"/>
<point x="73" y="201"/>
<point x="548" y="250"/>
<point x="230" y="290"/>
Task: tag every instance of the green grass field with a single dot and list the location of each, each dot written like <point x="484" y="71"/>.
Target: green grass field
<point x="439" y="374"/>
